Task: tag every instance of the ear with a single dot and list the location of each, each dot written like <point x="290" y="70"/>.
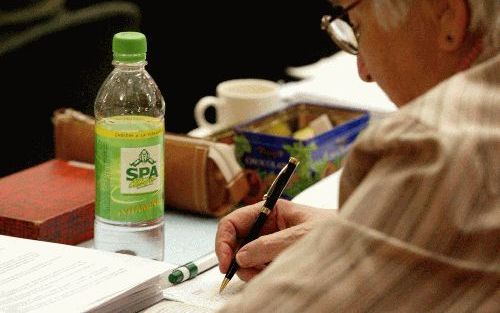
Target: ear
<point x="453" y="20"/>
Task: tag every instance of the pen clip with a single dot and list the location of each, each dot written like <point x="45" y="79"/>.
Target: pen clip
<point x="273" y="185"/>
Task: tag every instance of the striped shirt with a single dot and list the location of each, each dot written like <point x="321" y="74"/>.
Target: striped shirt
<point x="419" y="224"/>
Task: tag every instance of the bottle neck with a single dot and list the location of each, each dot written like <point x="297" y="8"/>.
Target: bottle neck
<point x="134" y="66"/>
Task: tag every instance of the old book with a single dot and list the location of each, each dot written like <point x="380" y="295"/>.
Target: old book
<point x="52" y="201"/>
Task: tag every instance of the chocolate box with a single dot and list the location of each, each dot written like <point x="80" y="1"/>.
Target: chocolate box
<point x="264" y="145"/>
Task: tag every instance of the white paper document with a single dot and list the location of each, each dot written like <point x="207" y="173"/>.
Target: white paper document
<point x="37" y="276"/>
<point x="203" y="290"/>
<point x="323" y="194"/>
<point x="168" y="306"/>
<point x="334" y="80"/>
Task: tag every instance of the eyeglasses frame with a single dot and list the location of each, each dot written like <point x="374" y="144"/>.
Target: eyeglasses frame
<point x="339" y="12"/>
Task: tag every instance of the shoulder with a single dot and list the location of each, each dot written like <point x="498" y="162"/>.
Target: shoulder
<point x="466" y="101"/>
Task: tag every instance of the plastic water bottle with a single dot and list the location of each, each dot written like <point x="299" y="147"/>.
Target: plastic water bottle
<point x="129" y="111"/>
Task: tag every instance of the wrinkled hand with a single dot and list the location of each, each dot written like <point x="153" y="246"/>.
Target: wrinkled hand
<point x="286" y="223"/>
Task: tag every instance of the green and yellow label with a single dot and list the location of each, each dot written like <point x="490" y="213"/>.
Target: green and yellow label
<point x="129" y="168"/>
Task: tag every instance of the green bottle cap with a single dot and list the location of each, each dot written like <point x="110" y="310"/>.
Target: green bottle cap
<point x="129" y="47"/>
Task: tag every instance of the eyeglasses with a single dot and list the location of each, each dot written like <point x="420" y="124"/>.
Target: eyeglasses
<point x="340" y="29"/>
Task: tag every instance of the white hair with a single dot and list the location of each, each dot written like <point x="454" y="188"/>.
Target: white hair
<point x="484" y="21"/>
<point x="390" y="13"/>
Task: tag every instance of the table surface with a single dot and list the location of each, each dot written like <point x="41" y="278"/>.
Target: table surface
<point x="187" y="236"/>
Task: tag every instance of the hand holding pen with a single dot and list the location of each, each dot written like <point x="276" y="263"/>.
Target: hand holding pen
<point x="270" y="198"/>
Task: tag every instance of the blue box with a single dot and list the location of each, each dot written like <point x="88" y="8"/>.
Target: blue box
<point x="264" y="145"/>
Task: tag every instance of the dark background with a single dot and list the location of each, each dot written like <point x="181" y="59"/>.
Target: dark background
<point x="192" y="46"/>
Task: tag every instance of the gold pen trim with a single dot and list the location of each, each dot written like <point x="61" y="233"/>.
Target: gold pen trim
<point x="265" y="210"/>
<point x="293" y="160"/>
<point x="273" y="185"/>
<point x="223" y="285"/>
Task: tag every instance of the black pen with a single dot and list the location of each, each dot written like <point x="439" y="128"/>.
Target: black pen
<point x="271" y="197"/>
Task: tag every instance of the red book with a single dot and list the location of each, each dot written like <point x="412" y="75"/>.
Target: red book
<point x="53" y="201"/>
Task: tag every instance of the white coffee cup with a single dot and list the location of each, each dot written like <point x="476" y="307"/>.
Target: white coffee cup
<point x="237" y="101"/>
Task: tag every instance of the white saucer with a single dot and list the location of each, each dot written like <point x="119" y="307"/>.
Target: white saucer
<point x="202" y="132"/>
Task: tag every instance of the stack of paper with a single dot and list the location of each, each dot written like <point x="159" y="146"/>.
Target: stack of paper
<point x="37" y="276"/>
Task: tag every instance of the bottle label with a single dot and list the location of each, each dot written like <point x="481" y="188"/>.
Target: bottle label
<point x="129" y="168"/>
<point x="139" y="169"/>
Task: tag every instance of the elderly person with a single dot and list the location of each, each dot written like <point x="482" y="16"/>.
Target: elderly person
<point x="418" y="228"/>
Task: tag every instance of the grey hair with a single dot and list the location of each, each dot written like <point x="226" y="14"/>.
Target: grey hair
<point x="485" y="19"/>
<point x="390" y="13"/>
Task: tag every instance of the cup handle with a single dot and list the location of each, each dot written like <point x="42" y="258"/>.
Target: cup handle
<point x="201" y="106"/>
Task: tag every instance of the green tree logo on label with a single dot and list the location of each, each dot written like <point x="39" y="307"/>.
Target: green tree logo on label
<point x="143" y="171"/>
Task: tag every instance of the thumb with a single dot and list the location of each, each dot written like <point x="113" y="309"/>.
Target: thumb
<point x="264" y="249"/>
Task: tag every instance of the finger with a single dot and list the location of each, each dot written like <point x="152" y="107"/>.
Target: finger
<point x="247" y="274"/>
<point x="237" y="223"/>
<point x="288" y="214"/>
<point x="265" y="248"/>
<point x="228" y="231"/>
<point x="224" y="255"/>
<point x="225" y="244"/>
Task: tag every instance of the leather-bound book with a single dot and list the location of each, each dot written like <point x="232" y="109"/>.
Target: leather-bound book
<point x="53" y="201"/>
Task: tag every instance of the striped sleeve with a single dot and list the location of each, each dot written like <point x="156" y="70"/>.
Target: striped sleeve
<point x="362" y="270"/>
